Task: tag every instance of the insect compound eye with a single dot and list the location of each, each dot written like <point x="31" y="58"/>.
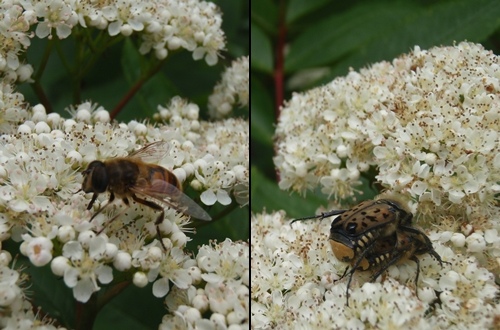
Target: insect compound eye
<point x="96" y="178"/>
<point x="351" y="228"/>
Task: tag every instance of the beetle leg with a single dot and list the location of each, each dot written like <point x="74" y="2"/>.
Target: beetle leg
<point x="414" y="258"/>
<point x="345" y="272"/>
<point x="427" y="248"/>
<point x="356" y="265"/>
<point x="399" y="254"/>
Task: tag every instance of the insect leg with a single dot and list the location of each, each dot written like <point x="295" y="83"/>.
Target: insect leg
<point x="414" y="258"/>
<point x="427" y="248"/>
<point x="110" y="200"/>
<point x="399" y="254"/>
<point x="345" y="272"/>
<point x="158" y="220"/>
<point x="355" y="267"/>
<point x="109" y="221"/>
<point x="92" y="201"/>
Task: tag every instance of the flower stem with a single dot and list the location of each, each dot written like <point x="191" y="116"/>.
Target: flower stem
<point x="135" y="88"/>
<point x="86" y="313"/>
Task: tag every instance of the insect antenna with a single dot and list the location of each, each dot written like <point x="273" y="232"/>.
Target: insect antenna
<point x="321" y="216"/>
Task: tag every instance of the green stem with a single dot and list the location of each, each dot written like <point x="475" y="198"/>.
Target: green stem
<point x="37" y="86"/>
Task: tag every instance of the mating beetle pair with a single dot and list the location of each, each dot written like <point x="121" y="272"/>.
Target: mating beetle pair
<point x="374" y="235"/>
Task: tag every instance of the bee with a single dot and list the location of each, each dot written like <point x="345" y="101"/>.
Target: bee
<point x="374" y="235"/>
<point x="135" y="177"/>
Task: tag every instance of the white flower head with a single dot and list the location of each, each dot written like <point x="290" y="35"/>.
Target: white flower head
<point x="172" y="269"/>
<point x="233" y="89"/>
<point x="430" y="134"/>
<point x="86" y="268"/>
<point x="313" y="290"/>
<point x="224" y="269"/>
<point x="223" y="262"/>
<point x="38" y="250"/>
<point x="57" y="15"/>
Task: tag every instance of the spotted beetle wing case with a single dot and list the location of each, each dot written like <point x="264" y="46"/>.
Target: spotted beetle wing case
<point x="380" y="216"/>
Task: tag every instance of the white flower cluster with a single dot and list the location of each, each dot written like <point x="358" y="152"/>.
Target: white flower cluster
<point x="220" y="287"/>
<point x="15" y="37"/>
<point x="428" y="123"/>
<point x="16" y="312"/>
<point x="224" y="169"/>
<point x="232" y="89"/>
<point x="297" y="285"/>
<point x="162" y="25"/>
<point x="41" y="159"/>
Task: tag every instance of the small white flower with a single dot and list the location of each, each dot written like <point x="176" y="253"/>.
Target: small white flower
<point x="38" y="250"/>
<point x="84" y="272"/>
<point x="66" y="233"/>
<point x="458" y="239"/>
<point x="171" y="269"/>
<point x="140" y="279"/>
<point x="56" y="14"/>
<point x="475" y="242"/>
<point x="9" y="291"/>
<point x="59" y="265"/>
<point x="123" y="261"/>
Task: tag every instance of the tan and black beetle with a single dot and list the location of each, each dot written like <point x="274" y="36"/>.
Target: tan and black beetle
<point x="374" y="235"/>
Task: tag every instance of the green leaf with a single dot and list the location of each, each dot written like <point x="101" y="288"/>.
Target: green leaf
<point x="267" y="196"/>
<point x="338" y="35"/>
<point x="262" y="113"/>
<point x="234" y="225"/>
<point x="299" y="8"/>
<point x="376" y="31"/>
<point x="261" y="52"/>
<point x="264" y="14"/>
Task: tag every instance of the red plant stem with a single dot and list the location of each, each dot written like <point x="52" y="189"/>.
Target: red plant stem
<point x="132" y="91"/>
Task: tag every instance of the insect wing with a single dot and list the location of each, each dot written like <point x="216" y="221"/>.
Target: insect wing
<point x="170" y="195"/>
<point x="152" y="153"/>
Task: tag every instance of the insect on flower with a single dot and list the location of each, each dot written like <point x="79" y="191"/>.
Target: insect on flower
<point x="135" y="177"/>
<point x="374" y="235"/>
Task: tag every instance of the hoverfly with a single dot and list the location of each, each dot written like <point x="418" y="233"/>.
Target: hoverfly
<point x="135" y="177"/>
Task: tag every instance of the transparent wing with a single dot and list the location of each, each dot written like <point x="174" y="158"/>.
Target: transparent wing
<point x="170" y="195"/>
<point x="152" y="153"/>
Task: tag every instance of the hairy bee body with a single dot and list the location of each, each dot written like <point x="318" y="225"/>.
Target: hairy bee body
<point x="145" y="183"/>
<point x="122" y="175"/>
<point x="374" y="235"/>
